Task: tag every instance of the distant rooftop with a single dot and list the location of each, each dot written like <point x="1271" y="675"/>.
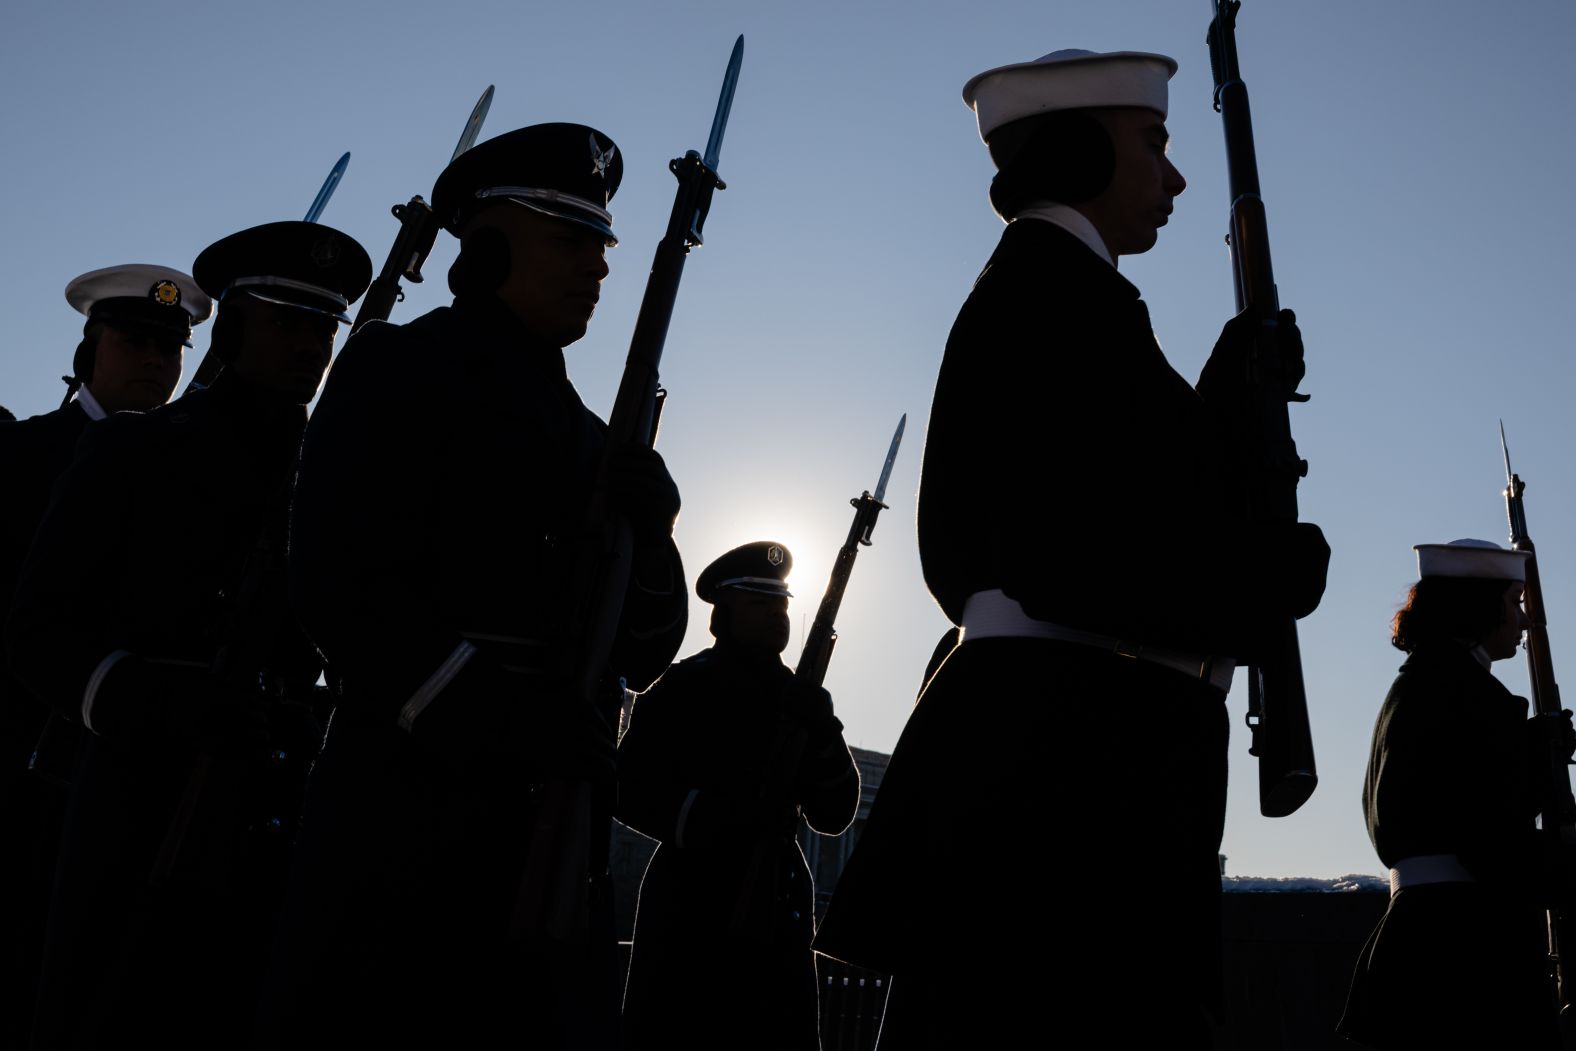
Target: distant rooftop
<point x="1303" y="884"/>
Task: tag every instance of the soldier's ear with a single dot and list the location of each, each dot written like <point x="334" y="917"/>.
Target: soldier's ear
<point x="483" y="263"/>
<point x="224" y="338"/>
<point x="83" y="357"/>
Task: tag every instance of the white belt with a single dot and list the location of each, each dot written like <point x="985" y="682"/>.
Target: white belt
<point x="1427" y="868"/>
<point x="991" y="614"/>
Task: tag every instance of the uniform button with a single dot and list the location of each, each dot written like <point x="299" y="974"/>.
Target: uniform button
<point x="794" y="915"/>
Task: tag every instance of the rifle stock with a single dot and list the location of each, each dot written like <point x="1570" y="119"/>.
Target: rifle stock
<point x="1277" y="701"/>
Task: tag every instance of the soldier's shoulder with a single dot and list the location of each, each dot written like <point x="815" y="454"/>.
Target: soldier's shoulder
<point x="43" y="428"/>
<point x="388" y="358"/>
<point x="692" y="669"/>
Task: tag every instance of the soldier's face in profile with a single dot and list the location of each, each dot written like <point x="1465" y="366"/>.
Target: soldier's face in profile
<point x="757" y="621"/>
<point x="1503" y="641"/>
<point x="284" y="349"/>
<point x="133" y="369"/>
<point x="1137" y="203"/>
<point x="556" y="269"/>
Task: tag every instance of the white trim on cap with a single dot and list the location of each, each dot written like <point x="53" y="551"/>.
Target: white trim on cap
<point x="264" y="281"/>
<point x="532" y="193"/>
<point x="1070" y="79"/>
<point x="1479" y="559"/>
<point x="772" y="584"/>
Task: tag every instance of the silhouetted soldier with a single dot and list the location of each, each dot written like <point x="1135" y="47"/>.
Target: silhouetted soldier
<point x="139" y="317"/>
<point x="722" y="940"/>
<point x="444" y="477"/>
<point x="1456" y="777"/>
<point x="152" y="613"/>
<point x="1082" y="709"/>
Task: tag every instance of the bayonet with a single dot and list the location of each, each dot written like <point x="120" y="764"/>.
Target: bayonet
<point x="473" y="126"/>
<point x="1514" y="509"/>
<point x="418" y="229"/>
<point x="719" y="121"/>
<point x="891" y="457"/>
<point x="330" y="184"/>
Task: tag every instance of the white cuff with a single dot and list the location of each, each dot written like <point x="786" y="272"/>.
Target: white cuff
<point x="95" y="681"/>
<point x="678" y="827"/>
<point x="436" y="683"/>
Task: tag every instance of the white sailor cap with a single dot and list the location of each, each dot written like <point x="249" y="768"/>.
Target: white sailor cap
<point x="1471" y="558"/>
<point x="1068" y="79"/>
<point x="141" y="296"/>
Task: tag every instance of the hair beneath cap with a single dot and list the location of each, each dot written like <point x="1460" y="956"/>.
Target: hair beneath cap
<point x="1065" y="157"/>
<point x="1448" y="610"/>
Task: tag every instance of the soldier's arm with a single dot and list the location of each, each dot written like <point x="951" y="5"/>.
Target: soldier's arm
<point x="651" y="797"/>
<point x="828" y="780"/>
<point x="655" y="615"/>
<point x="56" y="636"/>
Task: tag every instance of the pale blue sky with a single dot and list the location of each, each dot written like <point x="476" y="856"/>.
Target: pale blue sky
<point x="1414" y="156"/>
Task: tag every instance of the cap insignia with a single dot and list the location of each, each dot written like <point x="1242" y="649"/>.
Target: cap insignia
<point x="165" y="293"/>
<point x="774" y="555"/>
<point x="325" y="253"/>
<point x="599" y="160"/>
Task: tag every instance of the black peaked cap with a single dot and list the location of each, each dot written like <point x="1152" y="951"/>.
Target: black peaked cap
<point x="298" y="264"/>
<point x="569" y="171"/>
<point x="762" y="566"/>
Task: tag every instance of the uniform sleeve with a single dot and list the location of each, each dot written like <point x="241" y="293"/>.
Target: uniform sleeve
<point x="652" y="799"/>
<point x="655" y="613"/>
<point x="358" y="528"/>
<point x="828" y="784"/>
<point x="57" y="631"/>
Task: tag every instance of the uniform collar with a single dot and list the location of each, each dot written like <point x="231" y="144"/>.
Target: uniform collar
<point x="1071" y="220"/>
<point x="89" y="404"/>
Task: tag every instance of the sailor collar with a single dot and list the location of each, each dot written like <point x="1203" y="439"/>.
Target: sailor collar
<point x="1071" y="220"/>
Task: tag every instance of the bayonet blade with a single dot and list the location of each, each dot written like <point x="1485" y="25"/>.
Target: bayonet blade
<point x="1506" y="450"/>
<point x="891" y="457"/>
<point x="719" y="123"/>
<point x="329" y="184"/>
<point x="473" y="127"/>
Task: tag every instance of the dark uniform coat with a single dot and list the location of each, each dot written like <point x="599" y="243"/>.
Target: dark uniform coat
<point x="1453" y="770"/>
<point x="1053" y="385"/>
<point x="718" y="764"/>
<point x="145" y="550"/>
<point x="444" y="472"/>
<point x="33" y="454"/>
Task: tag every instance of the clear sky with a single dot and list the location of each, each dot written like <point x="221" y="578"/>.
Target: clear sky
<point x="1415" y="157"/>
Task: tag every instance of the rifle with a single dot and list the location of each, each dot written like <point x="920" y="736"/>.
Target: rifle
<point x="553" y="892"/>
<point x="818" y="643"/>
<point x="214" y="788"/>
<point x="418" y="230"/>
<point x="210" y="365"/>
<point x="1558" y="813"/>
<point x="782" y="763"/>
<point x="1277" y="702"/>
